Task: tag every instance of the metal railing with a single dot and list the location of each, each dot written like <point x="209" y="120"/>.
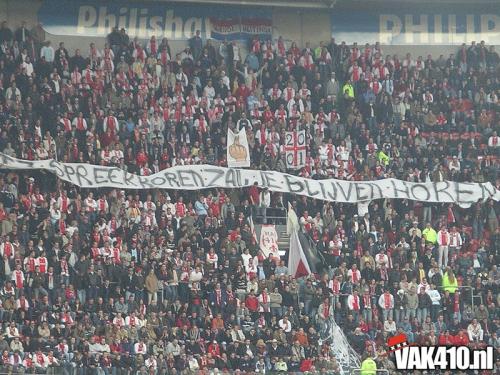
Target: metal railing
<point x="271" y="215"/>
<point x="467" y="287"/>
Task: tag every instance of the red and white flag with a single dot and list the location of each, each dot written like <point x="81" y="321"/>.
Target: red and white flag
<point x="297" y="261"/>
<point x="269" y="241"/>
<point x="295" y="149"/>
<point x="252" y="229"/>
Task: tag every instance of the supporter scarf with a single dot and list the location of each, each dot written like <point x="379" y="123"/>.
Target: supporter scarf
<point x="387" y="301"/>
<point x="75" y="78"/>
<point x="88" y="75"/>
<point x="256" y="46"/>
<point x="444" y="239"/>
<point x="326" y="311"/>
<point x="42" y="264"/>
<point x="281" y="48"/>
<point x="164" y="57"/>
<point x="366" y="301"/>
<point x="355" y="278"/>
<point x="19" y="279"/>
<point x="381" y="71"/>
<point x="111" y="124"/>
<point x="202" y="124"/>
<point x="116" y="255"/>
<point x="219" y="296"/>
<point x="64" y="204"/>
<point x="22" y="303"/>
<point x="355" y="303"/>
<point x="64" y="267"/>
<point x="264" y="297"/>
<point x="269" y="54"/>
<point x="7" y="249"/>
<point x="62" y="226"/>
<point x="67" y="124"/>
<point x="40" y="359"/>
<point x="355" y="74"/>
<point x="308" y="62"/>
<point x="102" y="202"/>
<point x="79" y="124"/>
<point x="29" y="362"/>
<point x="456" y="303"/>
<point x="289" y="94"/>
<point x="336" y="287"/>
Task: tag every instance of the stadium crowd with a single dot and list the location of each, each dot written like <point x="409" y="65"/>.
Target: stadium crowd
<point x="172" y="282"/>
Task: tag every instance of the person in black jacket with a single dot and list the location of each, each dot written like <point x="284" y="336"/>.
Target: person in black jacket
<point x="5" y="33"/>
<point x="22" y="34"/>
<point x="424" y="305"/>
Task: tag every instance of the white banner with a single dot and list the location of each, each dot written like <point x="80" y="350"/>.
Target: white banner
<point x="238" y="152"/>
<point x="295" y="149"/>
<point x="196" y="177"/>
<point x="269" y="241"/>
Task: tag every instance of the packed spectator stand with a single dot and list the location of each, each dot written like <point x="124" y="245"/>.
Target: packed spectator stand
<point x="172" y="282"/>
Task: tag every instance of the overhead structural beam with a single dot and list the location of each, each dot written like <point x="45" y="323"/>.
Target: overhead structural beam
<point x="304" y="4"/>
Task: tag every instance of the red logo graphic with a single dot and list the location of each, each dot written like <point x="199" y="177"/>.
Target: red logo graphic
<point x="397" y="342"/>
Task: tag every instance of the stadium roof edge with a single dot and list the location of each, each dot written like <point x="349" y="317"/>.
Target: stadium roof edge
<point x="317" y="4"/>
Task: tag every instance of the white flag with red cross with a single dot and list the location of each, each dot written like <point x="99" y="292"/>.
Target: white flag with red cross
<point x="295" y="149"/>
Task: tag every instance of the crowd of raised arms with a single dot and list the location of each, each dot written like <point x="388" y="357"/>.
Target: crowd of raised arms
<point x="112" y="282"/>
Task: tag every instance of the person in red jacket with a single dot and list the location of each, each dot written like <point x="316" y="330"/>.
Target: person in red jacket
<point x="141" y="158"/>
<point x="242" y="91"/>
<point x="461" y="339"/>
<point x="214" y="349"/>
<point x="252" y="304"/>
<point x="446" y="339"/>
<point x="307" y="365"/>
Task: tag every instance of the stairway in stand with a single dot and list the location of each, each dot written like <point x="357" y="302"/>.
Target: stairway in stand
<point x="283" y="238"/>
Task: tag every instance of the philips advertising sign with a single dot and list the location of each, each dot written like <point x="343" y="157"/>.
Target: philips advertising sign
<point x="144" y="19"/>
<point x="416" y="27"/>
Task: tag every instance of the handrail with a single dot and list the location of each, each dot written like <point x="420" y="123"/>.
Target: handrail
<point x="465" y="287"/>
